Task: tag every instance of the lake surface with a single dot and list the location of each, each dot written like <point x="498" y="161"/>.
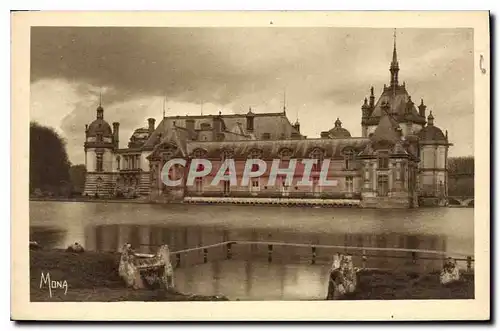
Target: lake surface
<point x="255" y="272"/>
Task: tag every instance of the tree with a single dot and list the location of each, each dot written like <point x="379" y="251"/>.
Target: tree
<point x="77" y="176"/>
<point x="49" y="164"/>
<point x="461" y="176"/>
<point x="462" y="165"/>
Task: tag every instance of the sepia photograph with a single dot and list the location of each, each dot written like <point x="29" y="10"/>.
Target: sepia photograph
<point x="263" y="163"/>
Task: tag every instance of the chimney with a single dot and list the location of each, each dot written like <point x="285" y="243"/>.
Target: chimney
<point x="116" y="133"/>
<point x="151" y="125"/>
<point x="190" y="124"/>
<point x="296" y="125"/>
<point x="325" y="134"/>
<point x="250" y="120"/>
<point x="218" y="124"/>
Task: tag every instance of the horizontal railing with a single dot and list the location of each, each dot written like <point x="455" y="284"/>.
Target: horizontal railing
<point x="440" y="255"/>
<point x="291" y="194"/>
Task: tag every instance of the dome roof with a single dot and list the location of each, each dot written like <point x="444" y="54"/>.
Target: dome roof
<point x="99" y="126"/>
<point x="431" y="132"/>
<point x="338" y="131"/>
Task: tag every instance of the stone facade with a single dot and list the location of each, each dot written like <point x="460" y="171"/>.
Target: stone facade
<point x="400" y="161"/>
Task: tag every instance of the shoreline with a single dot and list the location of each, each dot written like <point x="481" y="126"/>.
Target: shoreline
<point x="93" y="277"/>
<point x="151" y="202"/>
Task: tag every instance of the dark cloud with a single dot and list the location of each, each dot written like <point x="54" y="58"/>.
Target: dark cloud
<point x="326" y="73"/>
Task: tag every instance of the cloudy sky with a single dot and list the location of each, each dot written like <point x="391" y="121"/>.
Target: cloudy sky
<point x="326" y="73"/>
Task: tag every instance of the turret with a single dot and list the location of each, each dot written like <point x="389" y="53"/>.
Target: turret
<point x="430" y="119"/>
<point x="394" y="69"/>
<point x="421" y="108"/>
<point x="296" y="125"/>
<point x="365" y="109"/>
<point x="372" y="98"/>
<point x="409" y="105"/>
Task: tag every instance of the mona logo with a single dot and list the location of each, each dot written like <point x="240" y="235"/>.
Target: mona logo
<point x="53" y="284"/>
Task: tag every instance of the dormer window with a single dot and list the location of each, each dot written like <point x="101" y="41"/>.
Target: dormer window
<point x="198" y="153"/>
<point x="316" y="154"/>
<point x="285" y="154"/>
<point x="255" y="154"/>
<point x="226" y="154"/>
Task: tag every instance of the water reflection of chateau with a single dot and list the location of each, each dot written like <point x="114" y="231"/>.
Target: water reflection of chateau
<point x="400" y="157"/>
<point x="147" y="238"/>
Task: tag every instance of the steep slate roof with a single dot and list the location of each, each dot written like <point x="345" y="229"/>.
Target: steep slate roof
<point x="387" y="130"/>
<point x="400" y="106"/>
<point x="276" y="125"/>
<point x="270" y="148"/>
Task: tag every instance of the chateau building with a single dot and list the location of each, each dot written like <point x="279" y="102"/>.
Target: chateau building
<point x="400" y="160"/>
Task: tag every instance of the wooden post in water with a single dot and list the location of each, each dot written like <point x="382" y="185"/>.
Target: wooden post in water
<point x="177" y="260"/>
<point x="269" y="253"/>
<point x="229" y="253"/>
<point x="469" y="263"/>
<point x="205" y="255"/>
<point x="414" y="257"/>
<point x="363" y="259"/>
<point x="313" y="255"/>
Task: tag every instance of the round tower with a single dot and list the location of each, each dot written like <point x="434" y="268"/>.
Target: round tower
<point x="433" y="167"/>
<point x="100" y="162"/>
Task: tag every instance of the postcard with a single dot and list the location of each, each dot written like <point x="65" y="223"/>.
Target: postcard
<point x="173" y="166"/>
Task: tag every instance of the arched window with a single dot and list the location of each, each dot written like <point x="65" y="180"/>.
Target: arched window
<point x="285" y="154"/>
<point x="349" y="157"/>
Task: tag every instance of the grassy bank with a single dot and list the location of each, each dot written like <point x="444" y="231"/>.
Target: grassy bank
<point x="93" y="276"/>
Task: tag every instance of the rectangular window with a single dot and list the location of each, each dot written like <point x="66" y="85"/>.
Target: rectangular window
<point x="383" y="160"/>
<point x="349" y="184"/>
<point x="227" y="187"/>
<point x="284" y="188"/>
<point x="383" y="185"/>
<point x="98" y="166"/>
<point x="255" y="185"/>
<point x="349" y="160"/>
<point x="199" y="185"/>
<point x="315" y="183"/>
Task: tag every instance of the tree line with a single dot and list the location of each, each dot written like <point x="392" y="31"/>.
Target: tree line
<point x="461" y="176"/>
<point x="51" y="172"/>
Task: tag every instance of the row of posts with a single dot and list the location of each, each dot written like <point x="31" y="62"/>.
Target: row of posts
<point x="364" y="257"/>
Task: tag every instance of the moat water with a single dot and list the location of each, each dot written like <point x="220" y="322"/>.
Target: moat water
<point x="249" y="275"/>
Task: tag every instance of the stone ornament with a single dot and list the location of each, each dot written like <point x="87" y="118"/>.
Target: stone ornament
<point x="75" y="248"/>
<point x="343" y="277"/>
<point x="140" y="272"/>
<point x="450" y="272"/>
